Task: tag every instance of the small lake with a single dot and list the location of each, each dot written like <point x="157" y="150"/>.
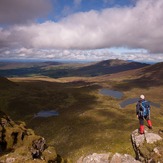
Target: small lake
<point x="47" y="113"/>
<point x="124" y="103"/>
<point x="119" y="95"/>
<point x="112" y="93"/>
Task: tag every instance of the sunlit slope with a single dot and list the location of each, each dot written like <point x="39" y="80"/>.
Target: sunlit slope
<point x="154" y="73"/>
<point x="150" y="76"/>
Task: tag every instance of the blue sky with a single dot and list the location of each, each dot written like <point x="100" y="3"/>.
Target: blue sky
<point x="82" y="29"/>
<point x="65" y="7"/>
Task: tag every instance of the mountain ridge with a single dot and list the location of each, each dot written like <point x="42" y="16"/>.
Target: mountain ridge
<point x="57" y="70"/>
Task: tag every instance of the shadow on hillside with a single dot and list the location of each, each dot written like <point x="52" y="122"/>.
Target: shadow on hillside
<point x="143" y="83"/>
<point x="71" y="133"/>
<point x="6" y="84"/>
<point x="73" y="130"/>
<point x="30" y="97"/>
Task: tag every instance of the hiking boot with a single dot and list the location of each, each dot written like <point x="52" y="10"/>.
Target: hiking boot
<point x="150" y="127"/>
<point x="141" y="133"/>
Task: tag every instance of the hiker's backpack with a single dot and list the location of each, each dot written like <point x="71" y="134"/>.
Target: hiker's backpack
<point x="145" y="108"/>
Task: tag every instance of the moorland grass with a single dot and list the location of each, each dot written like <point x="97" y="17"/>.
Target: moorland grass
<point x="87" y="123"/>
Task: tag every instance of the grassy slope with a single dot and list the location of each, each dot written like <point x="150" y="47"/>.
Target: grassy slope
<point x="88" y="122"/>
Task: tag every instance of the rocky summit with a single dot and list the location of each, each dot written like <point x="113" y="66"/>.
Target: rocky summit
<point x="148" y="147"/>
<point x="20" y="145"/>
<point x="107" y="158"/>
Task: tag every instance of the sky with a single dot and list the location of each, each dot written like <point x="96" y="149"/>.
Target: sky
<point x="82" y="29"/>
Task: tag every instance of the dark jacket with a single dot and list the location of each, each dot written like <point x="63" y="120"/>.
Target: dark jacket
<point x="139" y="108"/>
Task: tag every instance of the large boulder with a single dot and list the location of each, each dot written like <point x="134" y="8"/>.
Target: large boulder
<point x="148" y="147"/>
<point x="107" y="158"/>
<point x="95" y="158"/>
<point x="19" y="144"/>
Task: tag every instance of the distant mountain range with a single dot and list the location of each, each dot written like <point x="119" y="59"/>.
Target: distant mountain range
<point x="56" y="69"/>
<point x="107" y="67"/>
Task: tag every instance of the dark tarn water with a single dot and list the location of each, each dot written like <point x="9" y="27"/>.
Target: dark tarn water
<point x="48" y="113"/>
<point x="119" y="95"/>
<point x="112" y="93"/>
<point x="124" y="103"/>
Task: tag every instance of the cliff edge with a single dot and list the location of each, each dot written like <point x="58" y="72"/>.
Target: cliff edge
<point x="18" y="144"/>
<point x="148" y="147"/>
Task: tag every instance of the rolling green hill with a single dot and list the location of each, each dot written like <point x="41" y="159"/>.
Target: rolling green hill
<point x="150" y="76"/>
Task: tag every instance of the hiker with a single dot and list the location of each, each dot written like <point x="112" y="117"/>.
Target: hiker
<point x="143" y="112"/>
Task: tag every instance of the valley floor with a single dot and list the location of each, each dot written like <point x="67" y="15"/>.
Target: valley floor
<point x="88" y="122"/>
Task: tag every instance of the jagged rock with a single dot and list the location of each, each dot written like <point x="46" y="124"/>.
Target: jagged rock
<point x="38" y="146"/>
<point x="49" y="154"/>
<point x="160" y="132"/>
<point x="22" y="145"/>
<point x="95" y="158"/>
<point x="107" y="158"/>
<point x="148" y="147"/>
<point x="119" y="158"/>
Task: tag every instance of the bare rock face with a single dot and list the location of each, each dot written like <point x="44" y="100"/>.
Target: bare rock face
<point x="94" y="158"/>
<point x="119" y="158"/>
<point x="20" y="145"/>
<point x="148" y="147"/>
<point x="107" y="158"/>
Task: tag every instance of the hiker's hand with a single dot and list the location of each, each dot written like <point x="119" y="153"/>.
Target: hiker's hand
<point x="137" y="116"/>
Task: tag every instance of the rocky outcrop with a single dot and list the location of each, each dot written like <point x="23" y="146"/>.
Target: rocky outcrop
<point x="20" y="145"/>
<point x="107" y="158"/>
<point x="94" y="158"/>
<point x="148" y="147"/>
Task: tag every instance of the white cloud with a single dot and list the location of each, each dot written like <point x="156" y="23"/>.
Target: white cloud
<point x="132" y="27"/>
<point x="100" y="54"/>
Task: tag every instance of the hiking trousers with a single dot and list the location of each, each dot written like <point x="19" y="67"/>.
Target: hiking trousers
<point x="141" y="122"/>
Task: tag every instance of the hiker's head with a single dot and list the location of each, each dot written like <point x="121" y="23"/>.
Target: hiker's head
<point x="142" y="97"/>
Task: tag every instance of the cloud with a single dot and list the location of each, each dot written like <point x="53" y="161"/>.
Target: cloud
<point x="140" y="26"/>
<point x="22" y="11"/>
<point x="89" y="55"/>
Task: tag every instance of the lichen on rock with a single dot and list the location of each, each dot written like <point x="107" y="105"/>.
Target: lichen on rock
<point x="148" y="147"/>
<point x="108" y="158"/>
<point x="20" y="144"/>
